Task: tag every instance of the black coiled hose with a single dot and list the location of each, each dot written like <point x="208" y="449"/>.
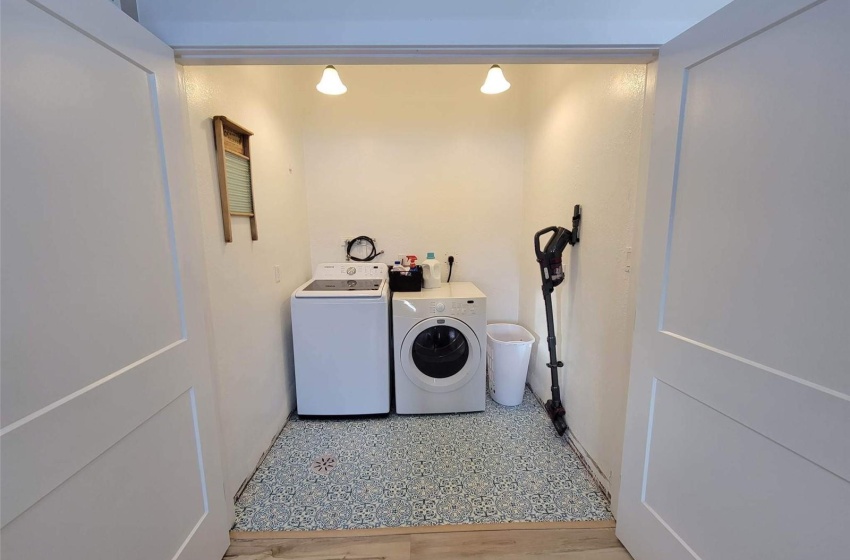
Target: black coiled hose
<point x="362" y="239"/>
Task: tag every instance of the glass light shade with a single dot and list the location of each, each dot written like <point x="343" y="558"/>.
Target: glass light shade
<point x="495" y="82"/>
<point x="330" y="84"/>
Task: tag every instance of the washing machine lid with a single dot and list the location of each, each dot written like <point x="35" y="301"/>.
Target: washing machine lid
<point x="342" y="288"/>
<point x="346" y="280"/>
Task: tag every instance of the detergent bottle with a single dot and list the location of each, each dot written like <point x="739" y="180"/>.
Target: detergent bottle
<point x="431" y="272"/>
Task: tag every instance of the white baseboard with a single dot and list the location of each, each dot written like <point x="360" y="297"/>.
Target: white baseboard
<point x="596" y="473"/>
<point x="599" y="477"/>
<point x="262" y="457"/>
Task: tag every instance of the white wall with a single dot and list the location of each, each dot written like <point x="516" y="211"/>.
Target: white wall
<point x="205" y="23"/>
<point x="583" y="147"/>
<point x="250" y="312"/>
<point x="418" y="158"/>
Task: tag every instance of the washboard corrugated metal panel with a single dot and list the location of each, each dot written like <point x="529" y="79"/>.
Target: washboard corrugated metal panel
<point x="238" y="173"/>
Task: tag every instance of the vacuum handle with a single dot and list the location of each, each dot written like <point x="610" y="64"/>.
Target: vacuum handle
<point x="537" y="235"/>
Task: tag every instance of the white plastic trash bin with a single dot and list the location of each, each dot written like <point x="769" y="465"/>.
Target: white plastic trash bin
<point x="508" y="353"/>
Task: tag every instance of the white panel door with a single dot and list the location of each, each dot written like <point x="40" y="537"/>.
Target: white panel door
<point x="108" y="441"/>
<point x="737" y="440"/>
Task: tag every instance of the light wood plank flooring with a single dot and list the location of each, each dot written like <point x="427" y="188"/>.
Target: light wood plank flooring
<point x="561" y="541"/>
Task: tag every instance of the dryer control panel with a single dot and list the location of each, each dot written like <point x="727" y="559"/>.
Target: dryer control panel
<point x="453" y="308"/>
<point x="454" y="299"/>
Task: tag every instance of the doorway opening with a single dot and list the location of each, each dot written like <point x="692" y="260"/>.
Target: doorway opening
<point x="420" y="160"/>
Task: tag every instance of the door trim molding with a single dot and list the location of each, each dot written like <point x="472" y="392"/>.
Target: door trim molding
<point x="417" y="54"/>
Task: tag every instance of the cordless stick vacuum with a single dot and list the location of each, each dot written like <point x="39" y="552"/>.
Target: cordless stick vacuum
<point x="552" y="274"/>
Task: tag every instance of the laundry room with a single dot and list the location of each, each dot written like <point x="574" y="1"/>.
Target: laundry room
<point x="417" y="161"/>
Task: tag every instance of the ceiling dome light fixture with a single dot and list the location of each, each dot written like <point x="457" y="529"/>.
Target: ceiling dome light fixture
<point x="330" y="84"/>
<point x="495" y="82"/>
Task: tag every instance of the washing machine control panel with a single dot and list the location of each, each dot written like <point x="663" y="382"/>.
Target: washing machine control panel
<point x="350" y="270"/>
<point x="453" y="308"/>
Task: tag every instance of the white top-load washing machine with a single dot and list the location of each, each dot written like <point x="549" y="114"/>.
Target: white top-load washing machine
<point x="439" y="339"/>
<point x="340" y="333"/>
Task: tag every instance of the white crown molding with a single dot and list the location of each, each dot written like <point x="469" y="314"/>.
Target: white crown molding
<point x="322" y="55"/>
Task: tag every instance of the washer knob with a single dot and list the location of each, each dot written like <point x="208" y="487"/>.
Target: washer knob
<point x="441" y="307"/>
<point x="351" y="270"/>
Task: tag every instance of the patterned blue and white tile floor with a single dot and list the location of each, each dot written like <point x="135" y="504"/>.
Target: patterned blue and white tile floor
<point x="501" y="465"/>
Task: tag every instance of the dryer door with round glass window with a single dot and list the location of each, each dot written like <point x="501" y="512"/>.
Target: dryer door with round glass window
<point x="440" y="354"/>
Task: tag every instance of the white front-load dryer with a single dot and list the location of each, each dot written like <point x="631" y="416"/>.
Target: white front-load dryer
<point x="439" y="339"/>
